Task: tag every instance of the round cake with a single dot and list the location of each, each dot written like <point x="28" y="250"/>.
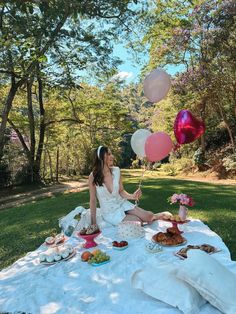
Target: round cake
<point x="130" y="229"/>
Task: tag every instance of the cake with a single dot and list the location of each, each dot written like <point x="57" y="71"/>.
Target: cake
<point x="130" y="229"/>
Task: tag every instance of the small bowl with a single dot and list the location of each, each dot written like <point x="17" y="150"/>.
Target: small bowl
<point x="120" y="248"/>
<point x="89" y="238"/>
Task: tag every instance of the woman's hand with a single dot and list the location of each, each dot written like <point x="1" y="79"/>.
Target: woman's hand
<point x="137" y="194"/>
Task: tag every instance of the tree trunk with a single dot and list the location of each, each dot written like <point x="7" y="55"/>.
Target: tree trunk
<point x="41" y="128"/>
<point x="5" y="113"/>
<point x="50" y="165"/>
<point x="57" y="165"/>
<point x="223" y="116"/>
<point x="31" y="126"/>
<point x="203" y="115"/>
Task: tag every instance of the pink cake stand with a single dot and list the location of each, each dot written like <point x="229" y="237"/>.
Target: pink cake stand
<point x="89" y="238"/>
<point x="176" y="223"/>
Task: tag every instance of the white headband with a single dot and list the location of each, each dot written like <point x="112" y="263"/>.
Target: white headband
<point x="98" y="151"/>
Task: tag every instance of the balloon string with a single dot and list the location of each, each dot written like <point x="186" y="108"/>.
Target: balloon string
<point x="140" y="182"/>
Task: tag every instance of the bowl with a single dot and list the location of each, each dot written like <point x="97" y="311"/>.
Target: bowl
<point x="89" y="239"/>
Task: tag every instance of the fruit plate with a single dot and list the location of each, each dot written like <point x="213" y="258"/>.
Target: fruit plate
<point x="173" y="245"/>
<point x="120" y="248"/>
<point x="100" y="264"/>
<point x="61" y="260"/>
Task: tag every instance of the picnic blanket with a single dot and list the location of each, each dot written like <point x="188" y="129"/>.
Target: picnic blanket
<point x="74" y="286"/>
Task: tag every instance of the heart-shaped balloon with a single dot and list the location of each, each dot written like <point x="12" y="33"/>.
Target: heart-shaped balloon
<point x="187" y="128"/>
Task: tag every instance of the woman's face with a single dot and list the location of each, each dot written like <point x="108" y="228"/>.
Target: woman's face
<point x="108" y="158"/>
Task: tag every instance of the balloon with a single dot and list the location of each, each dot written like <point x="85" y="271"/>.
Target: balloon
<point x="156" y="85"/>
<point x="187" y="128"/>
<point x="138" y="140"/>
<point x="157" y="146"/>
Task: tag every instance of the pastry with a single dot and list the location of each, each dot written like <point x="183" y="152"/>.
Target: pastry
<point x="173" y="230"/>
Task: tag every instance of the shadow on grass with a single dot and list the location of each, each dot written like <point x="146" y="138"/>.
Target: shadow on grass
<point x="25" y="228"/>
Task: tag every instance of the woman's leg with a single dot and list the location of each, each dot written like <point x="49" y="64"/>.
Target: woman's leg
<point x="130" y="217"/>
<point x="148" y="216"/>
<point x="143" y="215"/>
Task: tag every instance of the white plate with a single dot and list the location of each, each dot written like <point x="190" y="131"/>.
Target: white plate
<point x="61" y="260"/>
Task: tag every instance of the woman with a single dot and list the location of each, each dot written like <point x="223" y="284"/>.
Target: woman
<point x="105" y="183"/>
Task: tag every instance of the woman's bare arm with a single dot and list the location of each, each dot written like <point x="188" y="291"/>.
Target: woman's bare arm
<point x="135" y="196"/>
<point x="93" y="199"/>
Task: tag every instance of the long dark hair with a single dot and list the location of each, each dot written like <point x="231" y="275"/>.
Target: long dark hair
<point x="98" y="165"/>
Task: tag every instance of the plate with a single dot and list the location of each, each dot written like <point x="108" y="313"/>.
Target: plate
<point x="100" y="264"/>
<point x="120" y="248"/>
<point x="180" y="244"/>
<point x="61" y="260"/>
<point x="58" y="244"/>
<point x="182" y="257"/>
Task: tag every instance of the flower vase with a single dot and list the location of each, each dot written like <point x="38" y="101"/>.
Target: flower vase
<point x="183" y="211"/>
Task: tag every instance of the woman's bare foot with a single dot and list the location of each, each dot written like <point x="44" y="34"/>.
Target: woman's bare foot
<point x="162" y="215"/>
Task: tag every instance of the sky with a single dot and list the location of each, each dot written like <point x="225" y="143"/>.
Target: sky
<point x="130" y="70"/>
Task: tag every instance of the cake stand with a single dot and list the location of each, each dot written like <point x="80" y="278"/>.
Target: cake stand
<point x="89" y="238"/>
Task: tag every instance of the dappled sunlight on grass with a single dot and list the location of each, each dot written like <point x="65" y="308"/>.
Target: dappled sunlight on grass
<point x="25" y="228"/>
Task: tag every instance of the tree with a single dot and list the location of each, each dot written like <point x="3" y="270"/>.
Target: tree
<point x="200" y="37"/>
<point x="42" y="41"/>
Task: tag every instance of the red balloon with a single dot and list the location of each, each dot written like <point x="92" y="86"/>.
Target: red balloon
<point x="187" y="128"/>
<point x="157" y="146"/>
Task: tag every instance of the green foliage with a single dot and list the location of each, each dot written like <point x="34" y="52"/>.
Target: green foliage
<point x="229" y="162"/>
<point x="198" y="157"/>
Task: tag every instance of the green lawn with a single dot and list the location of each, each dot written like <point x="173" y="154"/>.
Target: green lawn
<point x="23" y="229"/>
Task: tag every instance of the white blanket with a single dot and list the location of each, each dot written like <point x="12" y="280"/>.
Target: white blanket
<point x="74" y="286"/>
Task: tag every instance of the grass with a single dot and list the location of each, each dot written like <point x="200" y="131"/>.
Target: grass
<point x="24" y="228"/>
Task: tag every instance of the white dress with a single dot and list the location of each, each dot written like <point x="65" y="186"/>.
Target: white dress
<point x="112" y="205"/>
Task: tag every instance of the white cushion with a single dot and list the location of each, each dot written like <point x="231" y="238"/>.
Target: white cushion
<point x="159" y="282"/>
<point x="211" y="279"/>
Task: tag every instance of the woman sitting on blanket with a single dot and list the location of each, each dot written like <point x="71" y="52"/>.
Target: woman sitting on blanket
<point x="105" y="183"/>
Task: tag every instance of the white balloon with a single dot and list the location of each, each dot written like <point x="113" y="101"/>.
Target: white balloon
<point x="156" y="85"/>
<point x="138" y="140"/>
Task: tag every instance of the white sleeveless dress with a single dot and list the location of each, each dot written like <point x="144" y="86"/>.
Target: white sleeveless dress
<point x="112" y="205"/>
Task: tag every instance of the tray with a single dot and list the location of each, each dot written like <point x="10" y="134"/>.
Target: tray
<point x="61" y="260"/>
<point x="100" y="264"/>
<point x="180" y="244"/>
<point x="182" y="257"/>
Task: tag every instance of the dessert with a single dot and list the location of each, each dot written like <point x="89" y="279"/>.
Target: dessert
<point x="90" y="230"/>
<point x="173" y="230"/>
<point x="168" y="238"/>
<point x="204" y="247"/>
<point x="56" y="254"/>
<point x="176" y="218"/>
<point x="50" y="240"/>
<point x="120" y="244"/>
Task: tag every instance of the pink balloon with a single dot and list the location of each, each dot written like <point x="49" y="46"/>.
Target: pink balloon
<point x="156" y="85"/>
<point x="187" y="128"/>
<point x="157" y="146"/>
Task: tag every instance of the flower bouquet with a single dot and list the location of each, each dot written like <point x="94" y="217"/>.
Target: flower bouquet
<point x="182" y="200"/>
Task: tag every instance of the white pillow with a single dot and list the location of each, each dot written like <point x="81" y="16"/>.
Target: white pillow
<point x="160" y="283"/>
<point x="211" y="279"/>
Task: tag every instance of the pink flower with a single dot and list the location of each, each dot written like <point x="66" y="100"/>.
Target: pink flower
<point x="182" y="199"/>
